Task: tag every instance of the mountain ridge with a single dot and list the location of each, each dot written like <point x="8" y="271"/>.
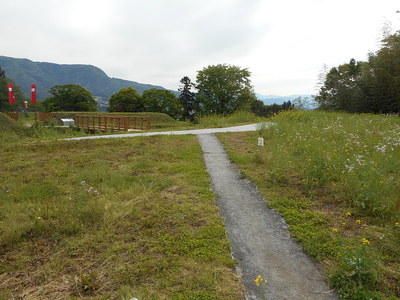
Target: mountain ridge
<point x="45" y="75"/>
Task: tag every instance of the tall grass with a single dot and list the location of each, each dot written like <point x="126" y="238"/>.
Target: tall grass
<point x="237" y="118"/>
<point x="356" y="156"/>
<point x="335" y="179"/>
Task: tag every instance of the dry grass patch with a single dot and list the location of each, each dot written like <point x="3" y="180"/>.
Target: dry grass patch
<point x="111" y="219"/>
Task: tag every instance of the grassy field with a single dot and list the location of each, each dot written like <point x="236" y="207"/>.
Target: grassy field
<point x="335" y="178"/>
<point x="110" y="219"/>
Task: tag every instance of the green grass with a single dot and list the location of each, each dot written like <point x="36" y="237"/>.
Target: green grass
<point x="238" y="118"/>
<point x="111" y="219"/>
<point x="335" y="178"/>
<point x="10" y="130"/>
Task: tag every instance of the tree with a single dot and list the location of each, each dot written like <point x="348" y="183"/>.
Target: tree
<point x="260" y="109"/>
<point x="4" y="101"/>
<point x="4" y="105"/>
<point x="69" y="97"/>
<point x="188" y="101"/>
<point x="342" y="88"/>
<point x="164" y="101"/>
<point x="2" y="74"/>
<point x="372" y="86"/>
<point x="384" y="76"/>
<point x="223" y="89"/>
<point x="126" y="100"/>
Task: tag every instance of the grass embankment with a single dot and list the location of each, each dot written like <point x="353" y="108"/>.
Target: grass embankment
<point x="335" y="178"/>
<point x="10" y="130"/>
<point x="111" y="219"/>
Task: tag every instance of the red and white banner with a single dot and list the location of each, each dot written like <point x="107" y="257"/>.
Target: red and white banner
<point x="33" y="93"/>
<point x="11" y="98"/>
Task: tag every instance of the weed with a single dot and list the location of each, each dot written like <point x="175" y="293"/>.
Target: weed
<point x="335" y="178"/>
<point x="103" y="219"/>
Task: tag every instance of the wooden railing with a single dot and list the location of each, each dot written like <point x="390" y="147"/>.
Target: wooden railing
<point x="110" y="122"/>
<point x="43" y="117"/>
<point x="13" y="115"/>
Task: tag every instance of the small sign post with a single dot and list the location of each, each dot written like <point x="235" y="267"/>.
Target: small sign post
<point x="261" y="142"/>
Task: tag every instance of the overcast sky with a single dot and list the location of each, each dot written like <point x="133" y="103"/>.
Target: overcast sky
<point x="284" y="43"/>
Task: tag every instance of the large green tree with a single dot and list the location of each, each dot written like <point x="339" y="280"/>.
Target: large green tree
<point x="69" y="97"/>
<point x="4" y="101"/>
<point x="223" y="89"/>
<point x="164" y="101"/>
<point x="4" y="105"/>
<point x="342" y="88"/>
<point x="372" y="86"/>
<point x="126" y="100"/>
<point x="190" y="107"/>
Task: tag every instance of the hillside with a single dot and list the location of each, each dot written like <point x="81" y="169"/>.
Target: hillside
<point x="46" y="75"/>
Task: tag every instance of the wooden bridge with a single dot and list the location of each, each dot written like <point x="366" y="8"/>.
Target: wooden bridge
<point x="97" y="122"/>
<point x="112" y="122"/>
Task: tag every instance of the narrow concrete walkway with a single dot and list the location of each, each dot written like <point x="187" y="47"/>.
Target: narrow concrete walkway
<point x="243" y="128"/>
<point x="259" y="236"/>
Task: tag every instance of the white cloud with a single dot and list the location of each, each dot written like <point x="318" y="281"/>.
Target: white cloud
<point x="283" y="43"/>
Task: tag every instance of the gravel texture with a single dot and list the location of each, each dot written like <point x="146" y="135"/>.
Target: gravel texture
<point x="260" y="239"/>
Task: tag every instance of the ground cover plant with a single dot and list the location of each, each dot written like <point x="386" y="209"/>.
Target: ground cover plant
<point x="111" y="219"/>
<point x="335" y="178"/>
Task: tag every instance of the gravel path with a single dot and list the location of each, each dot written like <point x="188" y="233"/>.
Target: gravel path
<point x="259" y="236"/>
<point x="243" y="128"/>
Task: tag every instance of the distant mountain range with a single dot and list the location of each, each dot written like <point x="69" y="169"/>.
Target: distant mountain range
<point x="271" y="99"/>
<point x="46" y="75"/>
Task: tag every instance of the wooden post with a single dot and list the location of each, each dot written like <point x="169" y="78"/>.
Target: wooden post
<point x="126" y="123"/>
<point x="148" y="122"/>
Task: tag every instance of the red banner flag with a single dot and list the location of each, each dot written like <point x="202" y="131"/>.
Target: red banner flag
<point x="10" y="93"/>
<point x="33" y="93"/>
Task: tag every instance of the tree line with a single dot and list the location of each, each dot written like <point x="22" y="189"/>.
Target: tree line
<point x="365" y="87"/>
<point x="219" y="89"/>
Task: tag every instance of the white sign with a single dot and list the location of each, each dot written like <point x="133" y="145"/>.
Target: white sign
<point x="261" y="142"/>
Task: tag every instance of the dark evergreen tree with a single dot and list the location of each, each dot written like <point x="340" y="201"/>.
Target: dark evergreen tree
<point x="2" y="73"/>
<point x="188" y="100"/>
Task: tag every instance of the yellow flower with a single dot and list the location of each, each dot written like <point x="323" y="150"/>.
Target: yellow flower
<point x="365" y="241"/>
<point x="258" y="280"/>
<point x="397" y="224"/>
<point x="358" y="222"/>
<point x="335" y="230"/>
<point x="348" y="214"/>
